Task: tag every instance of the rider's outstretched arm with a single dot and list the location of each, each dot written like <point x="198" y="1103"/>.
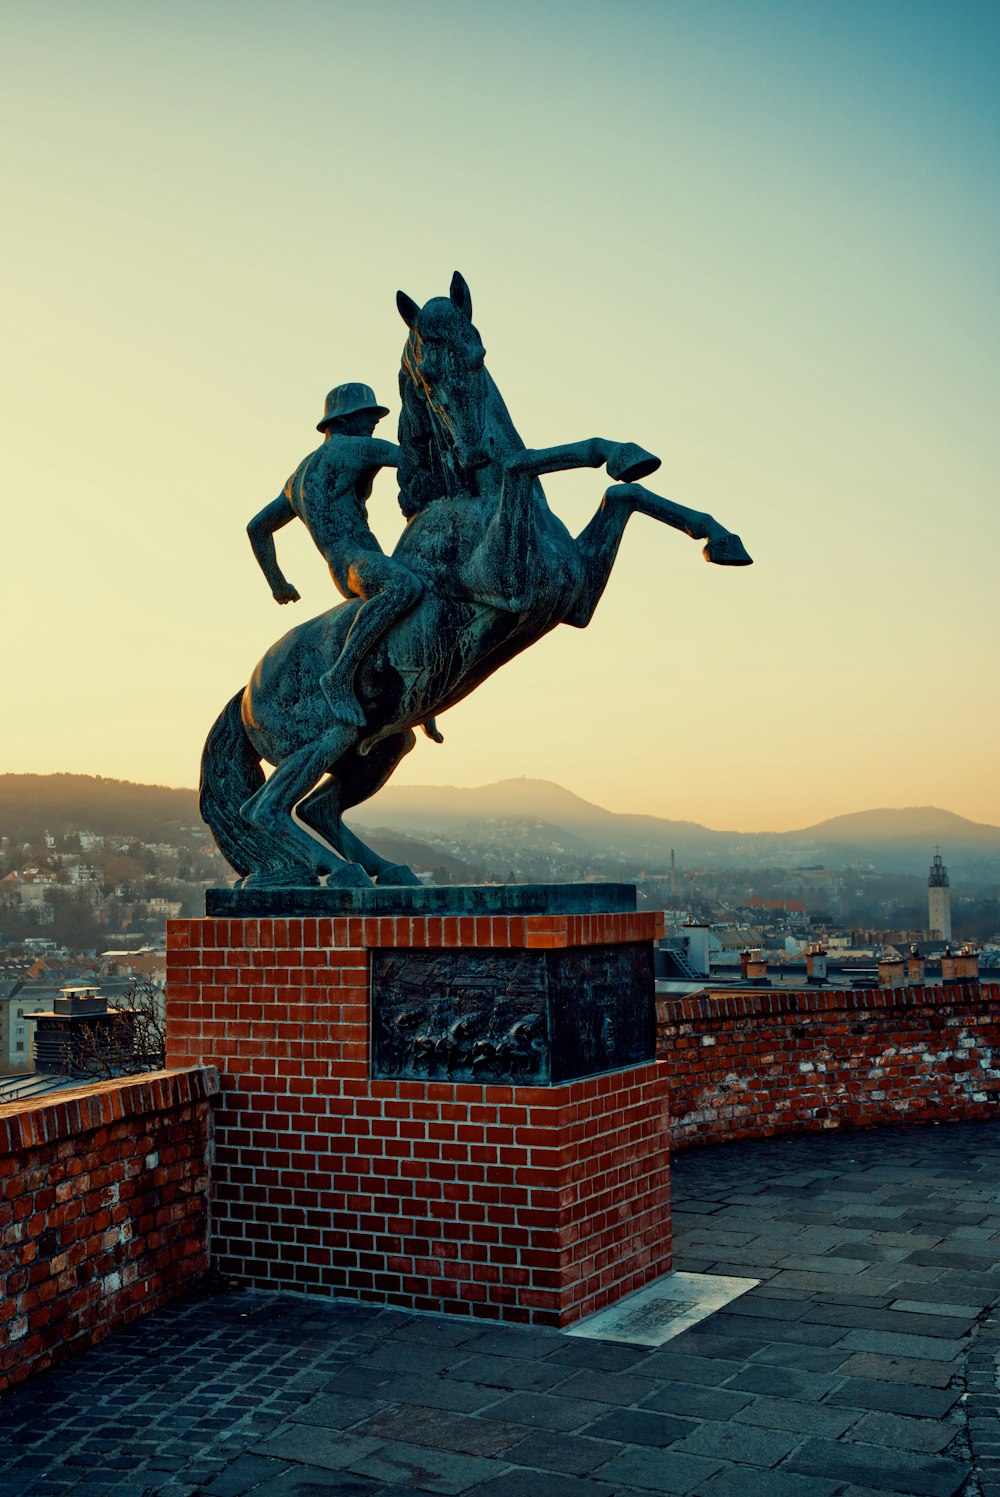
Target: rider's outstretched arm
<point x="261" y="532"/>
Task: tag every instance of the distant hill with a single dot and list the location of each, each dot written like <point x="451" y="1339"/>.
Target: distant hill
<point x="32" y="804"/>
<point x="406" y="823"/>
<point x="903" y="839"/>
<point x="923" y="824"/>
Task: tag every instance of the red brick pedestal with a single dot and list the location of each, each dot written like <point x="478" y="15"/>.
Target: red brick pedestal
<point x="527" y="1203"/>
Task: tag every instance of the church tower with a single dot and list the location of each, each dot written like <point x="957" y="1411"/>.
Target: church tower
<point x="938" y="901"/>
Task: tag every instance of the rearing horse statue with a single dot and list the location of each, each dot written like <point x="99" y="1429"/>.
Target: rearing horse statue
<point x="499" y="570"/>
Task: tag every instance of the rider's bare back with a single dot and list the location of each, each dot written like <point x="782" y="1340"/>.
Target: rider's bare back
<point x="329" y="492"/>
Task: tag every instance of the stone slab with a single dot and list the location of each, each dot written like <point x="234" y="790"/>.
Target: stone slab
<point x="426" y="899"/>
<point x="663" y="1309"/>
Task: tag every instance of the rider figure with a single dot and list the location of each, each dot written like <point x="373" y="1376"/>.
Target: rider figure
<point x="328" y="492"/>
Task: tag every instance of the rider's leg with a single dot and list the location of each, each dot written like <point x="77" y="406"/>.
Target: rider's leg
<point x="598" y="543"/>
<point x="389" y="591"/>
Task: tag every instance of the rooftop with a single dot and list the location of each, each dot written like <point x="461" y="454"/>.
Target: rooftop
<point x="863" y="1362"/>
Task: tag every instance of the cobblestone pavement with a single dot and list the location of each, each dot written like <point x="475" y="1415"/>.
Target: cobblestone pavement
<point x="864" y="1364"/>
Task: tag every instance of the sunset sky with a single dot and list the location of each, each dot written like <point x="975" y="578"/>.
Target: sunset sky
<point x="760" y="237"/>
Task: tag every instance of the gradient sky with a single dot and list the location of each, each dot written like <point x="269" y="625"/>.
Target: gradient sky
<point x="760" y="238"/>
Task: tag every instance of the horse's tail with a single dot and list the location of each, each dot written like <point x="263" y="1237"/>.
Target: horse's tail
<point x="230" y="773"/>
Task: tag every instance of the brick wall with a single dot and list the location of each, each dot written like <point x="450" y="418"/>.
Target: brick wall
<point x="513" y="1202"/>
<point x="103" y="1210"/>
<point x="757" y="1063"/>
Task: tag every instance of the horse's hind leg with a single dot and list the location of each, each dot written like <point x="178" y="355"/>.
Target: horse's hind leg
<point x="324" y="808"/>
<point x="598" y="543"/>
<point x="270" y="809"/>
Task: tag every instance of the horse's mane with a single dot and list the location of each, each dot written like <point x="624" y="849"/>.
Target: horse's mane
<point x="426" y="467"/>
<point x="422" y="474"/>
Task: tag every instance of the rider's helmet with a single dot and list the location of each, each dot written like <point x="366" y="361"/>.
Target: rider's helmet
<point x="344" y="400"/>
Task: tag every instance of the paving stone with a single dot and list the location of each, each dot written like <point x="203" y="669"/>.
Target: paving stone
<point x="731" y="1441"/>
<point x="975" y="1262"/>
<point x="639" y="1427"/>
<point x="603" y="1356"/>
<point x="311" y="1446"/>
<point x="965" y="1313"/>
<point x="744" y="1481"/>
<point x="416" y="1466"/>
<point x="795" y="1332"/>
<point x="419" y="1357"/>
<point x="335" y="1410"/>
<point x="509" y="1372"/>
<point x="438" y="1393"/>
<point x="574" y="1455"/>
<point x="899" y="1369"/>
<point x="694" y="1402"/>
<point x="305" y="1481"/>
<point x="519" y="1483"/>
<point x="818" y="1263"/>
<point x="896" y="1322"/>
<point x="443" y="1430"/>
<point x="513" y="1341"/>
<point x="900" y="1432"/>
<point x="704" y="1371"/>
<point x="899" y="1470"/>
<point x="616" y="1388"/>
<point x="658" y="1471"/>
<point x="807" y="1358"/>
<point x="806" y="1418"/>
<point x="783" y="1382"/>
<point x="898" y="1344"/>
<point x="545" y="1411"/>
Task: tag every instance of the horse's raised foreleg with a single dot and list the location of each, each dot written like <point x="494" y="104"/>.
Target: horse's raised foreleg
<point x="598" y="543"/>
<point x="270" y="810"/>
<point x="624" y="460"/>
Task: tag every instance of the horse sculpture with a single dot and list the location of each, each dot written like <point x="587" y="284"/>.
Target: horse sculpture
<point x="499" y="571"/>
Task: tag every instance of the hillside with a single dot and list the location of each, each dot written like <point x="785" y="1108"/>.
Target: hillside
<point x="32" y="804"/>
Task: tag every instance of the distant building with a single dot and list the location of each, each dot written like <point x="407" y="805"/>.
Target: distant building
<point x="938" y="901"/>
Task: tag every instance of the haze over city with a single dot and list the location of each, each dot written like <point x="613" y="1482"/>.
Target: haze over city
<point x="759" y="239"/>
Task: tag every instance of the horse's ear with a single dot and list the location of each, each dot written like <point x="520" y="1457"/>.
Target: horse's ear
<point x="408" y="308"/>
<point x="460" y="294"/>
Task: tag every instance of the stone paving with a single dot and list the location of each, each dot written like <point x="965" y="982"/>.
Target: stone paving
<point x="864" y="1364"/>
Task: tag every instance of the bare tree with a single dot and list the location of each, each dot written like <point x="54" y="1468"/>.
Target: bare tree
<point x="130" y="1039"/>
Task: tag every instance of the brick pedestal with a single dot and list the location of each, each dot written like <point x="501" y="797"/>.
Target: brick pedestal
<point x="527" y="1203"/>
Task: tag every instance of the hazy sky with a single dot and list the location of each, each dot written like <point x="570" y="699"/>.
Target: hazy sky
<point x="760" y="238"/>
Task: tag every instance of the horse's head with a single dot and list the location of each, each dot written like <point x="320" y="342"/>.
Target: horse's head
<point x="443" y="370"/>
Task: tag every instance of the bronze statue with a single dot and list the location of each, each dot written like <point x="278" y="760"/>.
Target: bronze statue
<point x="334" y="703"/>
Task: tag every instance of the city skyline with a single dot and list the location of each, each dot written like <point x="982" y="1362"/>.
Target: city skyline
<point x="760" y="240"/>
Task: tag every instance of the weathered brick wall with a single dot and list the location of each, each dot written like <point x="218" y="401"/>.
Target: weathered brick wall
<point x="755" y="1063"/>
<point x="521" y="1203"/>
<point x="103" y="1210"/>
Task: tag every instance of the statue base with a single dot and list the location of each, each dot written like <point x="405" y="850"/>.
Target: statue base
<point x="396" y="1128"/>
<point x="426" y="899"/>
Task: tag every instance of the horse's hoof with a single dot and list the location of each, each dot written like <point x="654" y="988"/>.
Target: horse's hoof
<point x="292" y="877"/>
<point x="399" y="875"/>
<point x="348" y="876"/>
<point x="628" y="463"/>
<point x="727" y="551"/>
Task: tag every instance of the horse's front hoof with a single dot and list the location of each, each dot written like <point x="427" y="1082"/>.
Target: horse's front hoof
<point x="628" y="463"/>
<point x="295" y="876"/>
<point x="727" y="551"/>
<point x="348" y="876"/>
<point x="398" y="875"/>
